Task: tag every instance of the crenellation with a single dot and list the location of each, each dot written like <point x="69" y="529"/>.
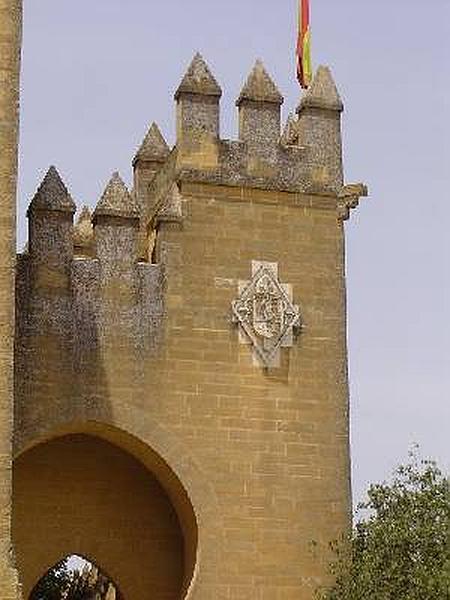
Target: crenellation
<point x="50" y="223"/>
<point x="319" y="130"/>
<point x="197" y="99"/>
<point x="77" y="287"/>
<point x="198" y="116"/>
<point x="259" y="105"/>
<point x="116" y="229"/>
<point x="148" y="160"/>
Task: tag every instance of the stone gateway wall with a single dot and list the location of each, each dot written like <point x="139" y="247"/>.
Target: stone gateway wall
<point x="192" y="332"/>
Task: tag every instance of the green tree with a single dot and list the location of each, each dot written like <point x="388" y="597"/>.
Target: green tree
<point x="399" y="546"/>
<point x="54" y="583"/>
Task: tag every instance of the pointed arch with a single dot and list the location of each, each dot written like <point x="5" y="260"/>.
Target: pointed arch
<point x="163" y="497"/>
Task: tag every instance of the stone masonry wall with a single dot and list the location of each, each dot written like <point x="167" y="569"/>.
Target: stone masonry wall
<point x="151" y="349"/>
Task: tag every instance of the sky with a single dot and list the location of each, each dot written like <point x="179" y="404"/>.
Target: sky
<point x="95" y="74"/>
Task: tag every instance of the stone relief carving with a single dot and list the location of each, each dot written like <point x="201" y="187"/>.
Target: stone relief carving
<point x="266" y="314"/>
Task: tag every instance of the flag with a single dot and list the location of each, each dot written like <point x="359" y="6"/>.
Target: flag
<point x="304" y="66"/>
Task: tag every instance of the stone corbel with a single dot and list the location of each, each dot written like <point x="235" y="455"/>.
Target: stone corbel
<point x="349" y="198"/>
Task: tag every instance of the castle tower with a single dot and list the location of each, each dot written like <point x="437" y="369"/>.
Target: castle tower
<point x="186" y="410"/>
<point x="10" y="34"/>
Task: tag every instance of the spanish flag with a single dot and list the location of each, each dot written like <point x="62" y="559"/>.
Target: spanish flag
<point x="304" y="66"/>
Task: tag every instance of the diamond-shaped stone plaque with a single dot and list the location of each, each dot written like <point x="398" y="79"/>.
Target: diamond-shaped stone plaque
<point x="265" y="313"/>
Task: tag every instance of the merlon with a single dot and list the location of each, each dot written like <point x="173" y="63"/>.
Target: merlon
<point x="260" y="87"/>
<point x="199" y="80"/>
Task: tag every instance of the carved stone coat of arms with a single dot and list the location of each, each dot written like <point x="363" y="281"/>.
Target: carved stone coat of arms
<point x="265" y="313"/>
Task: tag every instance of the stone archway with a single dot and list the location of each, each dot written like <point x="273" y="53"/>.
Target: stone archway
<point x="80" y="494"/>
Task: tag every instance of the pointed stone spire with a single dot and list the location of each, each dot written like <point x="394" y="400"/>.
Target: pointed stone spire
<point x="52" y="194"/>
<point x="198" y="80"/>
<point x="83" y="233"/>
<point x="322" y="92"/>
<point x="260" y="87"/>
<point x="154" y="147"/>
<point x="116" y="201"/>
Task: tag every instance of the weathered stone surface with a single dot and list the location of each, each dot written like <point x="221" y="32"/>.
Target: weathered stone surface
<point x="322" y="92"/>
<point x="83" y="233"/>
<point x="260" y="87"/>
<point x="198" y="80"/>
<point x="116" y="201"/>
<point x="154" y="147"/>
<point x="52" y="194"/>
<point x="266" y="314"/>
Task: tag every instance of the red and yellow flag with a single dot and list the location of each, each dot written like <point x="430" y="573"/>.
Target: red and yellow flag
<point x="304" y="65"/>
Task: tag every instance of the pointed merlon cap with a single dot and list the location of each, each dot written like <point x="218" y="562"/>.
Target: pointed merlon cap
<point x="154" y="146"/>
<point x="260" y="87"/>
<point x="322" y="92"/>
<point x="116" y="201"/>
<point x="83" y="231"/>
<point x="199" y="80"/>
<point x="52" y="194"/>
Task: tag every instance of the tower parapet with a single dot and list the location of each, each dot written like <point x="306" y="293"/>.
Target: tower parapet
<point x="198" y="115"/>
<point x="319" y="128"/>
<point x="50" y="222"/>
<point x="116" y="222"/>
<point x="197" y="98"/>
<point x="305" y="159"/>
<point x="148" y="160"/>
<point x="259" y="105"/>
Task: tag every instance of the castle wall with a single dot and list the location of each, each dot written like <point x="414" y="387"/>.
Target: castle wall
<point x="10" y="32"/>
<point x="271" y="447"/>
<point x="149" y="356"/>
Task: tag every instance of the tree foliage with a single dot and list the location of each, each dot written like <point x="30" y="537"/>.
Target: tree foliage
<point x="83" y="583"/>
<point x="398" y="548"/>
<point x="54" y="583"/>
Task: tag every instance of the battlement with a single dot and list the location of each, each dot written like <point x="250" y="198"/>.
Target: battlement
<point x="114" y="257"/>
<point x="84" y="283"/>
<point x="306" y="157"/>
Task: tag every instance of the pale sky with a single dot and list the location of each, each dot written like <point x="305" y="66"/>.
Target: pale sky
<point x="96" y="73"/>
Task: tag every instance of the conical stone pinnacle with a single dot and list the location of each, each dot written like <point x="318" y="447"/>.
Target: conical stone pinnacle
<point x="198" y="80"/>
<point x="52" y="194"/>
<point x="260" y="87"/>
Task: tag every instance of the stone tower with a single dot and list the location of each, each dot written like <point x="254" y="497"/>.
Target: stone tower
<point x="181" y="393"/>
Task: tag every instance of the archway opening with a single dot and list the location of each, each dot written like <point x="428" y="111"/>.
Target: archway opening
<point x="75" y="578"/>
<point x="81" y="494"/>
